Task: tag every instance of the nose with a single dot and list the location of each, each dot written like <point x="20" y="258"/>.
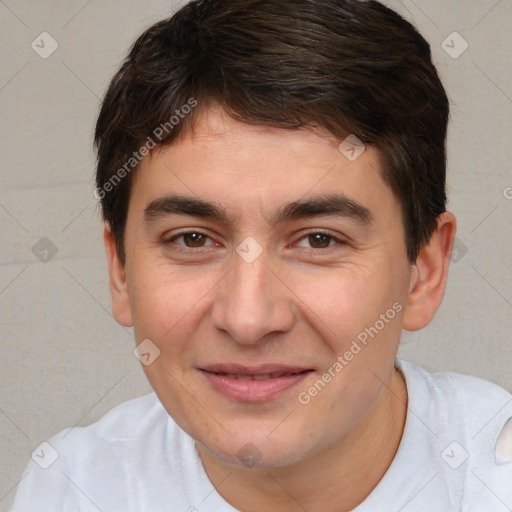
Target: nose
<point x="252" y="302"/>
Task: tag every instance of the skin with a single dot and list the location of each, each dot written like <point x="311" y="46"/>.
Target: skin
<point x="300" y="302"/>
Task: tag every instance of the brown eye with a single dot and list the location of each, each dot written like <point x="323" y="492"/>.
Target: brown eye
<point x="189" y="240"/>
<point x="193" y="239"/>
<point x="319" y="240"/>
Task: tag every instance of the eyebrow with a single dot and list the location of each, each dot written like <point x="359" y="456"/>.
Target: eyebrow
<point x="332" y="205"/>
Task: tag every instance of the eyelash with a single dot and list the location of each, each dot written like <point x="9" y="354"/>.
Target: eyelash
<point x="191" y="250"/>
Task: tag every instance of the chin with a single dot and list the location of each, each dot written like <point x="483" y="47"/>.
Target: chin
<point x="259" y="453"/>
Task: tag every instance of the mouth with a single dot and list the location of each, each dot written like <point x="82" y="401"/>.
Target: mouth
<point x="253" y="384"/>
<point x="264" y="376"/>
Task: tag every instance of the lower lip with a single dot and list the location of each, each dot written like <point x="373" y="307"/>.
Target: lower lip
<point x="253" y="390"/>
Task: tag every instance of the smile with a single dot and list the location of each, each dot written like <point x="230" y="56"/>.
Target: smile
<point x="254" y="386"/>
<point x="256" y="377"/>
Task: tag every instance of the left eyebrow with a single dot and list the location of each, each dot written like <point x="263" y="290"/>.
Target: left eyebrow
<point x="334" y="204"/>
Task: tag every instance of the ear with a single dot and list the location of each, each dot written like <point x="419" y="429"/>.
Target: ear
<point x="429" y="275"/>
<point x="118" y="287"/>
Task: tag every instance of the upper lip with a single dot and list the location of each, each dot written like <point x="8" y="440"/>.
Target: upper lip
<point x="261" y="369"/>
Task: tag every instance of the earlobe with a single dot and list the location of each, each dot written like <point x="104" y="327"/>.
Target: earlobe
<point x="117" y="276"/>
<point x="429" y="275"/>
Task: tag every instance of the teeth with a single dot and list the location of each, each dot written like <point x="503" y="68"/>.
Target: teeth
<point x="238" y="377"/>
<point x="263" y="377"/>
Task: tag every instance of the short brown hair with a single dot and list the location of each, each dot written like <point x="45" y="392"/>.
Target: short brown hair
<point x="349" y="66"/>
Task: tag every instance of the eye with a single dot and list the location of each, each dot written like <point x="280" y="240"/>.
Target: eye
<point x="319" y="240"/>
<point x="190" y="239"/>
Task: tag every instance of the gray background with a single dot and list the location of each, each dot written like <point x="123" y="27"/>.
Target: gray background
<point x="64" y="360"/>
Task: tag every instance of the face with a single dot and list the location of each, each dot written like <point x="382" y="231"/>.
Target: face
<point x="270" y="271"/>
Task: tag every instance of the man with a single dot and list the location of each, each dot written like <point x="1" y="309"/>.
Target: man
<point x="272" y="179"/>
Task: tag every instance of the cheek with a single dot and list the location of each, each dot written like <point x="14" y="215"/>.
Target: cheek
<point x="346" y="302"/>
<point x="165" y="301"/>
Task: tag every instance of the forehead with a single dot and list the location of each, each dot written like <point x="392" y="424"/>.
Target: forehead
<point x="213" y="125"/>
<point x="236" y="164"/>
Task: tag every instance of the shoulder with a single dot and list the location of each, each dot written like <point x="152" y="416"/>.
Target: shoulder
<point x="448" y="390"/>
<point x="458" y="402"/>
<point x="120" y="433"/>
<point x="128" y="419"/>
<point x="470" y="430"/>
<point x="134" y="444"/>
<point x="119" y="429"/>
<point x="124" y="422"/>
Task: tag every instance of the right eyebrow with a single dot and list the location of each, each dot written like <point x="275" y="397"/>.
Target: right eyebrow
<point x="184" y="205"/>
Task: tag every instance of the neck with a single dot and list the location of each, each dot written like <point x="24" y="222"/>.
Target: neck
<point x="334" y="480"/>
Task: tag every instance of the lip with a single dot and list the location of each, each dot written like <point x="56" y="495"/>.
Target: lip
<point x="254" y="390"/>
<point x="261" y="369"/>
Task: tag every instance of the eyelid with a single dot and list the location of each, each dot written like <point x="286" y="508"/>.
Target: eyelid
<point x="186" y="231"/>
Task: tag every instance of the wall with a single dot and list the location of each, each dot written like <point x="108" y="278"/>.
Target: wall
<point x="64" y="360"/>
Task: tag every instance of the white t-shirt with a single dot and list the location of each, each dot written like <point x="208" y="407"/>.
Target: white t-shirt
<point x="136" y="459"/>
